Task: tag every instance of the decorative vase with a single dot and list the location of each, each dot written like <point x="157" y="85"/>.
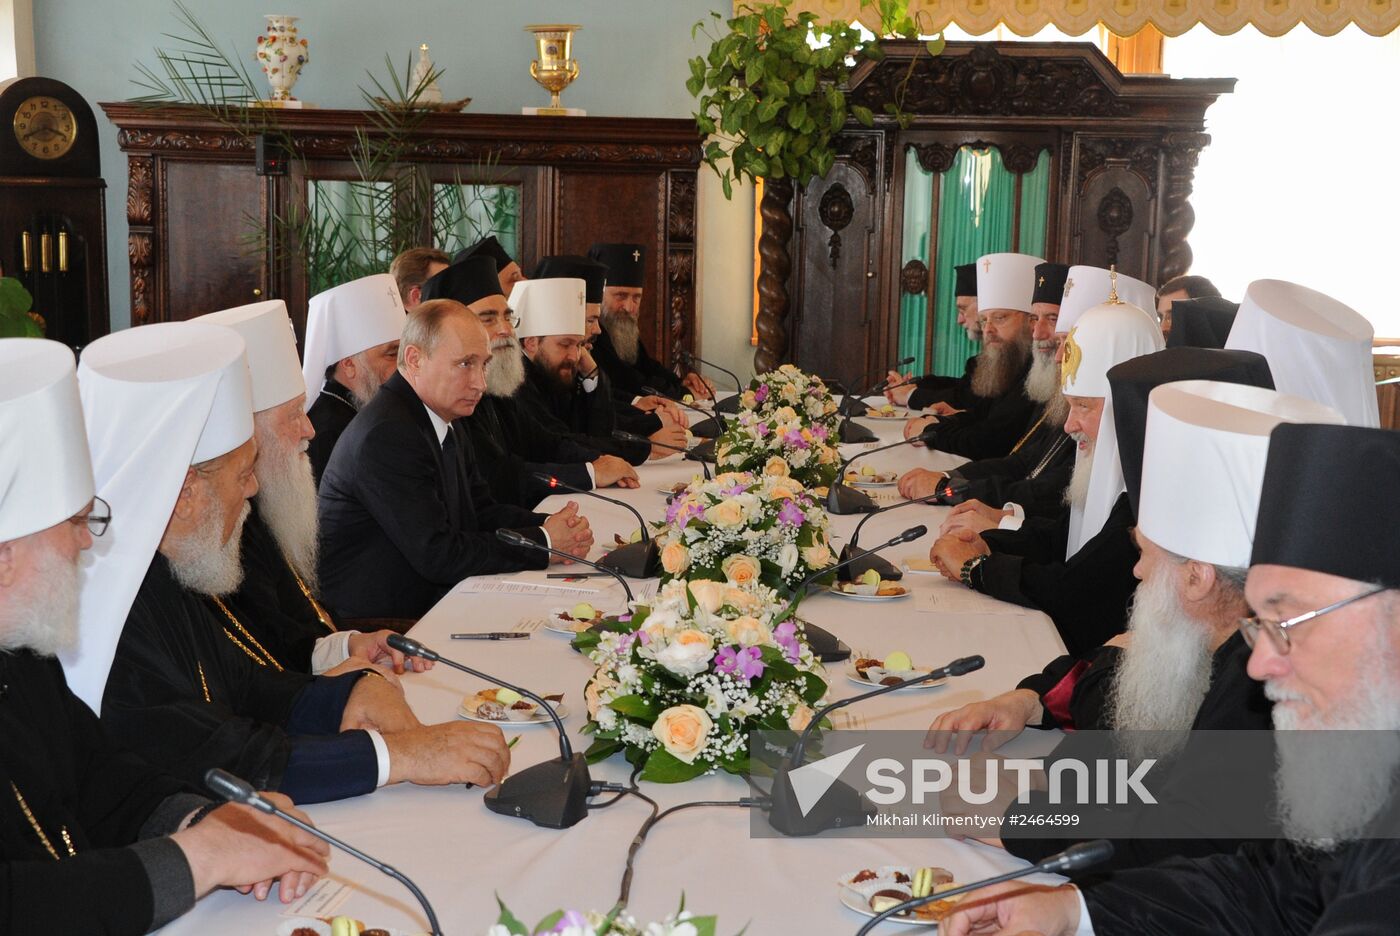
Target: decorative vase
<point x="282" y="54"/>
<point x="554" y="66"/>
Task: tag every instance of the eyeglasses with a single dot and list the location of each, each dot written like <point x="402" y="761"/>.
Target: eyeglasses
<point x="1002" y="318"/>
<point x="97" y="519"/>
<point x="1251" y="627"/>
<point x="489" y="318"/>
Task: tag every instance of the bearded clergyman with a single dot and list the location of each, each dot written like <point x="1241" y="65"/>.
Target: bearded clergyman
<point x="1180" y="666"/>
<point x="920" y="392"/>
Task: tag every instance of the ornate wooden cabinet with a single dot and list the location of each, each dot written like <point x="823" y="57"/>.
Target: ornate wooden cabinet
<point x="1121" y="154"/>
<point x="195" y="201"/>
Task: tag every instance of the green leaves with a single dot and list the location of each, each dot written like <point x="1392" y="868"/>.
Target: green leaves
<point x="633" y="707"/>
<point x="863" y="114"/>
<point x="664" y="767"/>
<point x="15" y="302"/>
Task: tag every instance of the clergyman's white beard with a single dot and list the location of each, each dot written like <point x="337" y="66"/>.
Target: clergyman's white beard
<point x="43" y="615"/>
<point x="505" y="372"/>
<point x="974" y="332"/>
<point x="287" y="503"/>
<point x="1163" y="673"/>
<point x="366" y="383"/>
<point x="1043" y="379"/>
<point x="1336" y="773"/>
<point x="205" y="565"/>
<point x="1077" y="492"/>
<point x="625" y="333"/>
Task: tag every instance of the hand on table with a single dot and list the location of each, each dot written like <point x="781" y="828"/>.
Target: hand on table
<point x="668" y="411"/>
<point x="699" y="386"/>
<point x="453" y="752"/>
<point x="900" y="389"/>
<point x="352" y="664"/>
<point x="973" y="515"/>
<point x="951" y="550"/>
<point x="378" y="705"/>
<point x="917" y="425"/>
<point x="611" y="471"/>
<point x="920" y="482"/>
<point x="569" y="532"/>
<point x="1003" y="717"/>
<point x="237" y="846"/>
<point x="671" y="435"/>
<point x="374" y="648"/>
<point x="942" y="409"/>
<point x="1015" y="909"/>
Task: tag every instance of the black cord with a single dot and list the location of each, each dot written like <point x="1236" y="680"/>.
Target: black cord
<point x="657" y="814"/>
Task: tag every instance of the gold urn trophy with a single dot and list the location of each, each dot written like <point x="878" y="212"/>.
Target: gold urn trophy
<point x="554" y="67"/>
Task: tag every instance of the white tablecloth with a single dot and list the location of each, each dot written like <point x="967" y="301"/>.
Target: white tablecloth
<point x="462" y="855"/>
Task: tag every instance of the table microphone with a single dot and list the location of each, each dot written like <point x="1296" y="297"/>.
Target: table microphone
<point x="689" y="454"/>
<point x="850" y="431"/>
<point x="885" y="568"/>
<point x="882" y="385"/>
<point x="842" y="805"/>
<point x="1077" y="856"/>
<point x="716" y="423"/>
<point x="639" y="560"/>
<point x="554" y="793"/>
<point x="843" y="499"/>
<point x="692" y="359"/>
<point x="512" y="538"/>
<point x="235" y="790"/>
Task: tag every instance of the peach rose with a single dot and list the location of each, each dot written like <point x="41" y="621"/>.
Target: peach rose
<point x="748" y="631"/>
<point x="708" y="595"/>
<point x="592" y="693"/>
<point x="800" y="718"/>
<point x="675" y="558"/>
<point x="776" y="466"/>
<point x="740" y="569"/>
<point x="818" y="556"/>
<point x="682" y="731"/>
<point x="725" y="514"/>
<point x="747" y="400"/>
<point x="785" y="414"/>
<point x="790" y="393"/>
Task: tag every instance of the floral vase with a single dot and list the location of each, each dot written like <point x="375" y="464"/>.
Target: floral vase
<point x="282" y="54"/>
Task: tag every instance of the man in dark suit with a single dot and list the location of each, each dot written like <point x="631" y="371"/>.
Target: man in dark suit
<point x="404" y="513"/>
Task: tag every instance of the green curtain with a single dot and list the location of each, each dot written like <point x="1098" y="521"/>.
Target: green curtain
<point x="1035" y="207"/>
<point x="918" y="215"/>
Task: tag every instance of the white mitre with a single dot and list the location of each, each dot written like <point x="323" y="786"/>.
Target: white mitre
<point x="1317" y="347"/>
<point x="1006" y="281"/>
<point x="156" y="400"/>
<point x="347" y="319"/>
<point x="549" y="307"/>
<point x="1203" y="464"/>
<point x="1088" y="286"/>
<point x="45" y="471"/>
<point x="271" y="342"/>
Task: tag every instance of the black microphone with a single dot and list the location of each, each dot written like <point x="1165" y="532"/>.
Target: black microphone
<point x="1077" y="856"/>
<point x="841" y="499"/>
<point x="908" y="536"/>
<point x="842" y="805"/>
<point x="716" y="423"/>
<point x="885" y="568"/>
<point x="554" y="793"/>
<point x="691" y="359"/>
<point x="689" y="454"/>
<point x="639" y="560"/>
<point x="512" y="538"/>
<point x="850" y="432"/>
<point x="235" y="790"/>
<point x="878" y="387"/>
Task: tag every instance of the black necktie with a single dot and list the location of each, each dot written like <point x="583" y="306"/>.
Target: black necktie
<point x="452" y="475"/>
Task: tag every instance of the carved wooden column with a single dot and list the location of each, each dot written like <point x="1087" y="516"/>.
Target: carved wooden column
<point x="680" y="260"/>
<point x="1181" y="151"/>
<point x="140" y="217"/>
<point x="775" y="264"/>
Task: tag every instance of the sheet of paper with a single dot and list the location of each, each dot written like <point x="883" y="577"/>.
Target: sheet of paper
<point x="323" y="900"/>
<point x="481" y="586"/>
<point x="954" y="600"/>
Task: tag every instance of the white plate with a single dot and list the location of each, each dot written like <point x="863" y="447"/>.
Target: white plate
<point x="854" y="677"/>
<point x="898" y="414"/>
<point x="878" y="480"/>
<point x="854" y="596"/>
<point x="918" y="565"/>
<point x="859" y="904"/>
<point x="539" y="718"/>
<point x="553" y="623"/>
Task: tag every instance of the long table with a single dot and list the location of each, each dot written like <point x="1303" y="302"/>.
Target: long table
<point x="463" y="855"/>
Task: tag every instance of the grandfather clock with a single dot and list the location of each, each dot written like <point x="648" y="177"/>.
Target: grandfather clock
<point x="53" y="230"/>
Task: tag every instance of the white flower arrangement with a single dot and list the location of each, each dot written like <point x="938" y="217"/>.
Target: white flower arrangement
<point x="617" y="922"/>
<point x="681" y="683"/>
<point x="780" y="442"/>
<point x="788" y="386"/>
<point x="742" y="528"/>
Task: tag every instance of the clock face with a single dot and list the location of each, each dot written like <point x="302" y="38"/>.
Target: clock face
<point x="44" y="127"/>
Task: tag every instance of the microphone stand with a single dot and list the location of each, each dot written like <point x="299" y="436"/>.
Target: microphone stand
<point x="842" y="805"/>
<point x="554" y="793"/>
<point x="235" y="790"/>
<point x="885" y="568"/>
<point x="727" y="406"/>
<point x="879" y="387"/>
<point x="689" y="454"/>
<point x="850" y="431"/>
<point x="843" y="499"/>
<point x="512" y="538"/>
<point x="1079" y="855"/>
<point x="638" y="560"/>
<point x="716" y="423"/>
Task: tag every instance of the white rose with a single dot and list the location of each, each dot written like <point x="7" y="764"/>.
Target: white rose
<point x="688" y="654"/>
<point x="787" y="558"/>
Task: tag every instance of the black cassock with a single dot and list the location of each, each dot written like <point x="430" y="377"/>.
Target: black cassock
<point x="584" y="417"/>
<point x="187" y="692"/>
<point x="329" y="415"/>
<point x="955" y="391"/>
<point x="404" y="517"/>
<point x="1075" y="696"/>
<point x="1273" y="889"/>
<point x="511" y="445"/>
<point x="629" y="380"/>
<point x="988" y="427"/>
<point x="1034" y="475"/>
<point x="81" y="789"/>
<point x="1086" y="595"/>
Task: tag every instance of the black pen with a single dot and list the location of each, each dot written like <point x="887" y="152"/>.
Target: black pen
<point x="574" y="575"/>
<point x="493" y="635"/>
